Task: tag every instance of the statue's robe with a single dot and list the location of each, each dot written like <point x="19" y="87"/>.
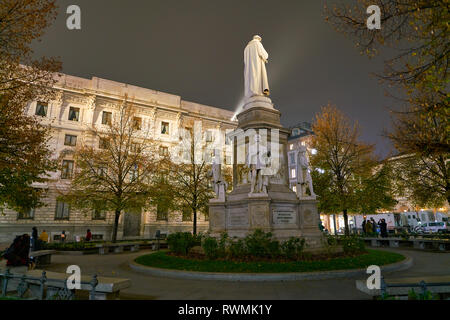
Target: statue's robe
<point x="255" y="74"/>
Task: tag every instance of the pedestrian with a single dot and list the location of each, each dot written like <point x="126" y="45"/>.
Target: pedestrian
<point x="363" y="225"/>
<point x="63" y="236"/>
<point x="18" y="253"/>
<point x="34" y="239"/>
<point x="368" y="227"/>
<point x="44" y="236"/>
<point x="374" y="225"/>
<point x="383" y="228"/>
<point x="88" y="235"/>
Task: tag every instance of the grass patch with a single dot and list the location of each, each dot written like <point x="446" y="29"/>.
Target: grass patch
<point x="372" y="257"/>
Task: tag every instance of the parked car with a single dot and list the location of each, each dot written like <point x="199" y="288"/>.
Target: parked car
<point x="432" y="227"/>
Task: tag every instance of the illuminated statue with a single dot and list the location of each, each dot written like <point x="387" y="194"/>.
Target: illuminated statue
<point x="255" y="74"/>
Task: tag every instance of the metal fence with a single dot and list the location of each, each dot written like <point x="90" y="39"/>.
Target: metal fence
<point x="422" y="285"/>
<point x="39" y="287"/>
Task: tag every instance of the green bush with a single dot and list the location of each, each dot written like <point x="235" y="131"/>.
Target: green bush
<point x="292" y="248"/>
<point x="181" y="242"/>
<point x="237" y="249"/>
<point x="260" y="244"/>
<point x="353" y="244"/>
<point x="210" y="247"/>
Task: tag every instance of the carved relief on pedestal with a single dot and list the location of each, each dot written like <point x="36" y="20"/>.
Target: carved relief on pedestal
<point x="259" y="215"/>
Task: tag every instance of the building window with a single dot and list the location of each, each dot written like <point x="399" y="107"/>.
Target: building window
<point x="135" y="148"/>
<point x="137" y="123"/>
<point x="98" y="214"/>
<point x="162" y="213"/>
<point x="107" y="118"/>
<point x="164" y="127"/>
<point x="41" y="109"/>
<point x="209" y="136"/>
<point x="291" y="147"/>
<point x="187" y="214"/>
<point x="74" y="114"/>
<point x="26" y="214"/>
<point x="294" y="188"/>
<point x="62" y="211"/>
<point x="70" y="140"/>
<point x="293" y="173"/>
<point x="163" y="151"/>
<point x="103" y="143"/>
<point x="228" y="160"/>
<point x="67" y="169"/>
<point x="292" y="158"/>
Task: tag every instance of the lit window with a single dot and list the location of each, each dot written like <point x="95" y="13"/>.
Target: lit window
<point x="294" y="188"/>
<point x="293" y="173"/>
<point x="70" y="140"/>
<point x="41" y="109"/>
<point x="107" y="118"/>
<point x="291" y="147"/>
<point x="67" y="169"/>
<point x="313" y="151"/>
<point x="74" y="114"/>
<point x="164" y="127"/>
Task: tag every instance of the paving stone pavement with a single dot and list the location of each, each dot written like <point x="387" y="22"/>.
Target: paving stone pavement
<point x="148" y="287"/>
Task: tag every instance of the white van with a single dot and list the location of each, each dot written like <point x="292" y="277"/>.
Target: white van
<point x="432" y="227"/>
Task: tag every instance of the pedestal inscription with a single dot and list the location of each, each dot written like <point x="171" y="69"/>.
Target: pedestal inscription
<point x="284" y="217"/>
<point x="238" y="219"/>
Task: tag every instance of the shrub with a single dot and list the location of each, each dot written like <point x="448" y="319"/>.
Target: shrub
<point x="353" y="244"/>
<point x="237" y="249"/>
<point x="210" y="247"/>
<point x="181" y="242"/>
<point x="292" y="248"/>
<point x="260" y="244"/>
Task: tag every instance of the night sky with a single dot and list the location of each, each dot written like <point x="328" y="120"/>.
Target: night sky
<point x="195" y="49"/>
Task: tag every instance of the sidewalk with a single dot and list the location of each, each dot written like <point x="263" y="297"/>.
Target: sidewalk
<point x="147" y="287"/>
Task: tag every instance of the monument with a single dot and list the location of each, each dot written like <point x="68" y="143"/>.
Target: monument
<point x="261" y="197"/>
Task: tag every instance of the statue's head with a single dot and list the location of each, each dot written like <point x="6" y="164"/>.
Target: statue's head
<point x="257" y="38"/>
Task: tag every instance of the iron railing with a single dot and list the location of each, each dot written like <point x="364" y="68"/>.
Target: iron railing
<point x="47" y="291"/>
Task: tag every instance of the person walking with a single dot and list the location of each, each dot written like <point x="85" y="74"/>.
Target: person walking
<point x="63" y="236"/>
<point x="88" y="235"/>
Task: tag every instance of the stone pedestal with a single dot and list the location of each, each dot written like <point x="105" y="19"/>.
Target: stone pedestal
<point x="280" y="210"/>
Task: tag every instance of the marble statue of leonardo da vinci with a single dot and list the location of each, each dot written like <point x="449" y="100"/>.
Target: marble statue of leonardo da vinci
<point x="255" y="74"/>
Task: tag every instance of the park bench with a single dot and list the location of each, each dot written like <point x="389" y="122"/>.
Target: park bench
<point x="117" y="247"/>
<point x="438" y="244"/>
<point x="401" y="287"/>
<point x="42" y="257"/>
<point x="43" y="285"/>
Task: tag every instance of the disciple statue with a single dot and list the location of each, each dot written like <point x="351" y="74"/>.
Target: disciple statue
<point x="220" y="185"/>
<point x="255" y="74"/>
<point x="304" y="179"/>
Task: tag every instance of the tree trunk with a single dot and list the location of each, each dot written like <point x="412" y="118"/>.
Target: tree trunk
<point x="195" y="221"/>
<point x="334" y="224"/>
<point x="116" y="226"/>
<point x="347" y="231"/>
